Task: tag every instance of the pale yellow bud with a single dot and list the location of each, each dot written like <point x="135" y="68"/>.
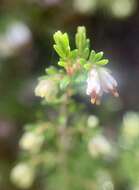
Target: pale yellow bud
<point x="31" y="141"/>
<point x="22" y="175"/>
<point x="130" y="128"/>
<point x="99" y="146"/>
<point x="46" y="89"/>
<point x="92" y="121"/>
<point x="87" y="6"/>
<point x="123" y="8"/>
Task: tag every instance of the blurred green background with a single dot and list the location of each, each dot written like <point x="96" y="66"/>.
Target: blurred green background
<point x="26" y="49"/>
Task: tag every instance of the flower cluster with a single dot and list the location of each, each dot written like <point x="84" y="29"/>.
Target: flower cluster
<point x="81" y="66"/>
<point x="100" y="80"/>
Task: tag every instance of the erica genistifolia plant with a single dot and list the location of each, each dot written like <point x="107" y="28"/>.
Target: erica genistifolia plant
<point x="81" y="67"/>
<point x="66" y="149"/>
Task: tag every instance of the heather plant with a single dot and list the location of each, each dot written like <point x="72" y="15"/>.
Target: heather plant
<point x="80" y="66"/>
<point x="67" y="149"/>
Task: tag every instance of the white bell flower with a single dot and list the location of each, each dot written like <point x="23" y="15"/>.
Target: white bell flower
<point x="100" y="80"/>
<point x="46" y="88"/>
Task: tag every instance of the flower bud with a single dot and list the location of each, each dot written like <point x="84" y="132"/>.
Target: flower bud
<point x="22" y="175"/>
<point x="46" y="89"/>
<point x="124" y="8"/>
<point x="92" y="121"/>
<point x="99" y="81"/>
<point x="98" y="146"/>
<point x="131" y="125"/>
<point x="31" y="141"/>
<point x="85" y="7"/>
<point x="16" y="36"/>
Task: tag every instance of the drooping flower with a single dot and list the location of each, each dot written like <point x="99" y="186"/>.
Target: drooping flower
<point x="100" y="80"/>
<point x="46" y="88"/>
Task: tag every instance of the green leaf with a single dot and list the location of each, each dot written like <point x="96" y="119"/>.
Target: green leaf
<point x="87" y="66"/>
<point x="86" y="53"/>
<point x="82" y="61"/>
<point x="80" y="37"/>
<point x="65" y="39"/>
<point x="64" y="82"/>
<point x="59" y="51"/>
<point x="73" y="54"/>
<point x="88" y="42"/>
<point x="80" y="54"/>
<point x="102" y="62"/>
<point x="56" y="36"/>
<point x="62" y="46"/>
<point x="62" y="63"/>
<point x="92" y="55"/>
<point x="51" y="70"/>
<point x="98" y="56"/>
<point x="82" y="43"/>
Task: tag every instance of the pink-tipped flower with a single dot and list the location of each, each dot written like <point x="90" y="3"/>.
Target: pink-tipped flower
<point x="100" y="80"/>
